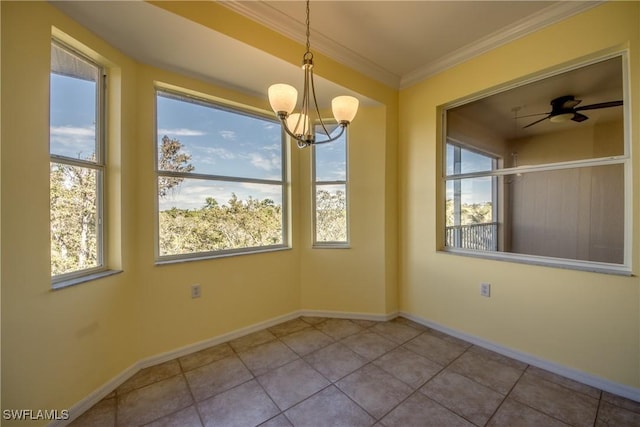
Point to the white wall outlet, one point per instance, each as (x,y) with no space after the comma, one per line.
(196,292)
(485,289)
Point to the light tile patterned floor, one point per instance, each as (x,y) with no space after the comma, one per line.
(339,372)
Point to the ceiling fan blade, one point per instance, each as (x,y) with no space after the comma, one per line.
(536,122)
(532,115)
(577,117)
(600,105)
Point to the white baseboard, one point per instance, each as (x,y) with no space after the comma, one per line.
(576,375)
(79,408)
(349,315)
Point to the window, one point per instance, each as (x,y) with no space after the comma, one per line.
(330,193)
(76,165)
(535,174)
(220,179)
(471,203)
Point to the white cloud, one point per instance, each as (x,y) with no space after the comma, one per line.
(191,194)
(266,163)
(273,147)
(72,141)
(221,153)
(228,135)
(181,132)
(72,131)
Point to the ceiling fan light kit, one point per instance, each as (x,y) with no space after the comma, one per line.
(561,118)
(300,126)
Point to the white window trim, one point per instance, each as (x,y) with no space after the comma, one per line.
(80,276)
(314,183)
(625,268)
(236,109)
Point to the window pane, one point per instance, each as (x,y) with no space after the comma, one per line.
(449,160)
(74,218)
(474,162)
(524,125)
(470,206)
(461,160)
(73,110)
(201,138)
(572,213)
(331,160)
(202,216)
(331,213)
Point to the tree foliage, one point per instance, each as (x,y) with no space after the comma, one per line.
(470,213)
(237,224)
(172,159)
(74,217)
(331,216)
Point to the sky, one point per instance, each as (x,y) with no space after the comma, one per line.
(72,117)
(219,143)
(473,190)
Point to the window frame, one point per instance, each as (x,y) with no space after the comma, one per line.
(458,147)
(100,168)
(624,268)
(185,95)
(316,244)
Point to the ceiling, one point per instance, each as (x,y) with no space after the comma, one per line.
(507,112)
(402,42)
(396,42)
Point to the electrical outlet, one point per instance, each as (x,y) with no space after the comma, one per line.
(485,289)
(196,292)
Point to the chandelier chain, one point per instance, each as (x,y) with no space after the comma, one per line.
(308,22)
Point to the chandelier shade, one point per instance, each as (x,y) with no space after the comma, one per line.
(344,108)
(300,126)
(283,97)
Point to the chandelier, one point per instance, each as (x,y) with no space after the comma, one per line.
(300,126)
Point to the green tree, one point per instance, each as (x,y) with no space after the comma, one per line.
(237,224)
(331,216)
(171,158)
(470,213)
(73,217)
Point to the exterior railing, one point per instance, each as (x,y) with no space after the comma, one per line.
(473,236)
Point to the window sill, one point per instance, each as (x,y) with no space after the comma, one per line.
(331,245)
(83,279)
(207,256)
(589,266)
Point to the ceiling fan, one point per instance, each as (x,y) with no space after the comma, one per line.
(566,108)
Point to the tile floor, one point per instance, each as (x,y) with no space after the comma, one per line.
(337,372)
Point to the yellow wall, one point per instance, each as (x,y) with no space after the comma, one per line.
(585,321)
(60,346)
(329,279)
(53,342)
(588,142)
(362,279)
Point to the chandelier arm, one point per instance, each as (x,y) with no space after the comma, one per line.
(315,102)
(304,142)
(343,126)
(308,76)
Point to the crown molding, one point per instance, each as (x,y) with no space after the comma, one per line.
(278,21)
(282,23)
(547,16)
